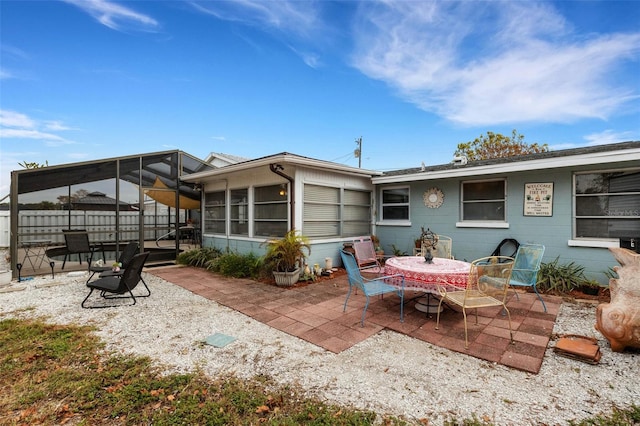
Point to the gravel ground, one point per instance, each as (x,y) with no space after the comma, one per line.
(388,373)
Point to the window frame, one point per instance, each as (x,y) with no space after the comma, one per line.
(342,221)
(594,240)
(488,223)
(383,205)
(219,207)
(240,206)
(257,220)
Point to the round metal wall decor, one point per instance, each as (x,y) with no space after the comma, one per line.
(433,198)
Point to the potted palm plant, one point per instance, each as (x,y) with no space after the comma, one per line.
(287,255)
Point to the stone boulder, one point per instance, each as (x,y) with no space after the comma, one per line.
(619,320)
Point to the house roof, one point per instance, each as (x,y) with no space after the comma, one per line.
(227,158)
(591,155)
(281,158)
(100,201)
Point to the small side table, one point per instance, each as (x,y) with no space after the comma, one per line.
(35,252)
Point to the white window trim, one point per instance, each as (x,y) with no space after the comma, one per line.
(484,223)
(590,241)
(399,222)
(597,243)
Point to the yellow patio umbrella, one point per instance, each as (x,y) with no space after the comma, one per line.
(168,198)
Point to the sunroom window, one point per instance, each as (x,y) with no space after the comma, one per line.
(321,211)
(270,216)
(332,212)
(239,212)
(214,207)
(607,204)
(484,200)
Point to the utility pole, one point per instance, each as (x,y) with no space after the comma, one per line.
(358,151)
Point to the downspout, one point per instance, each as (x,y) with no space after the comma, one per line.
(277,169)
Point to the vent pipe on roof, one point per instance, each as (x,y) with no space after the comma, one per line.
(459,161)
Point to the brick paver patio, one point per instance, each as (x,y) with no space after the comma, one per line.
(314,313)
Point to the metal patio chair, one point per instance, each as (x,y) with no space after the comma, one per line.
(77,242)
(366,256)
(117,287)
(371,287)
(526,267)
(126,255)
(487,286)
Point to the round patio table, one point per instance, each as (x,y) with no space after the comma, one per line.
(425,277)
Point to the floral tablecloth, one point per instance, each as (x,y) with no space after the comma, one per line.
(422,276)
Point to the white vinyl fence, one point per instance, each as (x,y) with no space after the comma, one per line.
(5,228)
(34,225)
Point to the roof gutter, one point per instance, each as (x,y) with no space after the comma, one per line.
(277,169)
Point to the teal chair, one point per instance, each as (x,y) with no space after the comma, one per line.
(371,287)
(526,267)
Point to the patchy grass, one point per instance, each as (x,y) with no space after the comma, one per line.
(51,374)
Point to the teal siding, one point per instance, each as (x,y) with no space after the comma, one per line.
(471,243)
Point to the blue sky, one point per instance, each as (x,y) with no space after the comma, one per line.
(82,80)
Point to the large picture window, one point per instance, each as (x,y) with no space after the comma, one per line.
(332,212)
(270,211)
(395,204)
(607,204)
(214,207)
(239,212)
(484,200)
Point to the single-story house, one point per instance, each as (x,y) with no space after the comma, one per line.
(576,202)
(250,202)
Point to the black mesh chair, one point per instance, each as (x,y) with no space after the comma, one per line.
(77,242)
(117,287)
(126,255)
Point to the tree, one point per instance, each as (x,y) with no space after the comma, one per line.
(27,165)
(495,145)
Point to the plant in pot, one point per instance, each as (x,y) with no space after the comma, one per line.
(286,256)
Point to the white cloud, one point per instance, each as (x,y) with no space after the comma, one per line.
(15,119)
(5,74)
(297,17)
(492,62)
(115,16)
(15,125)
(609,136)
(56,126)
(28,134)
(299,21)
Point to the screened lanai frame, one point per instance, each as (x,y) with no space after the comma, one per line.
(157,173)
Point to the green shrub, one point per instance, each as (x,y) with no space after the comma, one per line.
(235,265)
(554,277)
(198,257)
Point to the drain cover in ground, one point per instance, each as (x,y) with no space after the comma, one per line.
(219,340)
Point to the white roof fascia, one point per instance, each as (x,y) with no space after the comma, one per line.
(517,166)
(280,158)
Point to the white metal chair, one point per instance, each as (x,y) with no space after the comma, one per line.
(487,286)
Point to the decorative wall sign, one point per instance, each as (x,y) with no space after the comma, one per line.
(538,199)
(433,198)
